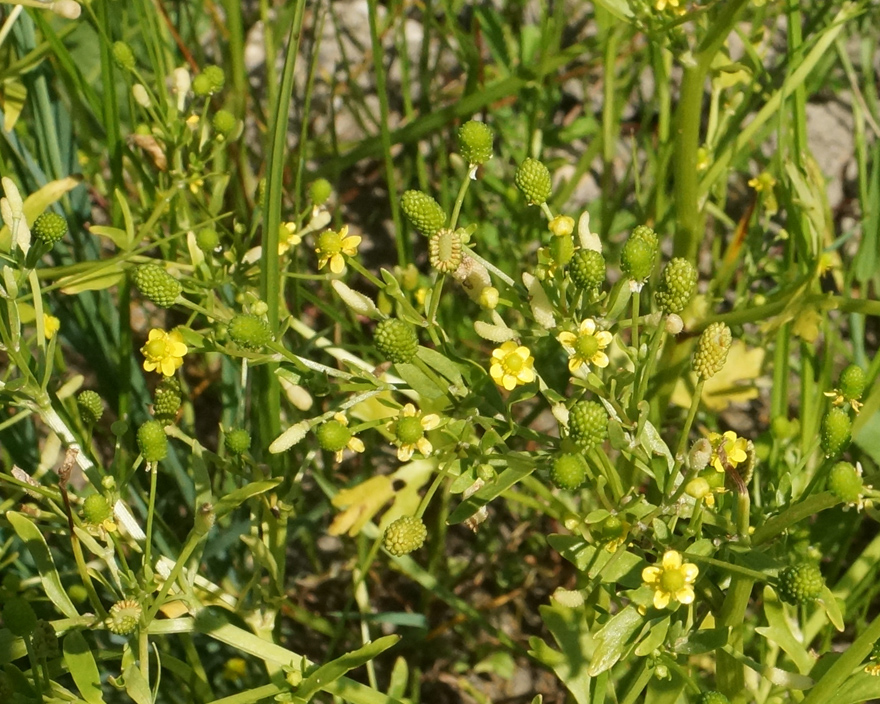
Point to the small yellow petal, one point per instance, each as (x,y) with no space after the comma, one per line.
(355,445)
(690,570)
(509,382)
(685,595)
(405,453)
(409,410)
(604,338)
(651,574)
(496,372)
(671,560)
(567,338)
(526,375)
(337,263)
(574,363)
(661,600)
(588,326)
(430,421)
(425,446)
(600,359)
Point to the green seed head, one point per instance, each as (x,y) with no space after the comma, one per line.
(587,269)
(166,400)
(249,331)
(845,483)
(712,349)
(836,432)
(216,76)
(562,249)
(124,617)
(207,239)
(533,179)
(852,382)
(409,430)
(49,227)
(639,254)
(123,56)
(405,535)
(96,509)
(678,283)
(425,213)
(396,340)
(224,123)
(588,424)
(152,441)
(800,584)
(333,436)
(475,142)
(237,441)
(569,471)
(90,407)
(320,191)
(157,285)
(45,641)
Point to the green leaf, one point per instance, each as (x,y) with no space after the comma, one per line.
(81,664)
(614,638)
(11,647)
(571,632)
(779,632)
(518,468)
(39,551)
(235,498)
(656,635)
(832,608)
(619,8)
(116,235)
(619,566)
(325,675)
(418,381)
(98,279)
(861,687)
(440,363)
(136,686)
(705,641)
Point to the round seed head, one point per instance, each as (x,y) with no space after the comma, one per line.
(475,142)
(396,340)
(157,285)
(90,406)
(836,432)
(533,179)
(49,227)
(801,583)
(678,283)
(588,424)
(152,441)
(249,331)
(569,471)
(712,349)
(238,441)
(845,483)
(425,213)
(405,535)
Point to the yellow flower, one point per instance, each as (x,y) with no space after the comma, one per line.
(512,365)
(352,443)
(586,347)
(662,5)
(288,237)
(562,225)
(164,351)
(672,580)
(409,432)
(764,181)
(332,245)
(51,325)
(727,450)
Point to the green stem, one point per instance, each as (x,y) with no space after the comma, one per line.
(459,199)
(153,468)
(792,515)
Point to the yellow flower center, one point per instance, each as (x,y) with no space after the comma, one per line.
(671,581)
(409,430)
(513,363)
(586,346)
(155,349)
(329,243)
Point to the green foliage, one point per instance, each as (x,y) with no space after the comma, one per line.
(573,399)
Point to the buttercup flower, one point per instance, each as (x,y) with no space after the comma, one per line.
(585,347)
(672,580)
(409,432)
(661,5)
(288,237)
(727,450)
(512,365)
(51,325)
(163,352)
(764,181)
(332,245)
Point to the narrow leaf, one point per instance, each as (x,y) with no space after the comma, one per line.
(81,663)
